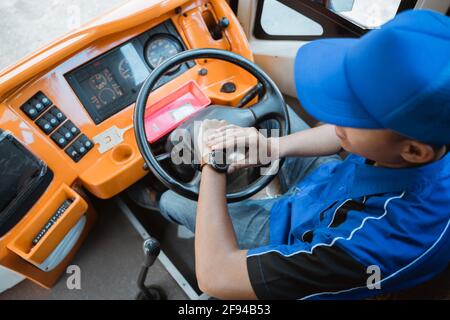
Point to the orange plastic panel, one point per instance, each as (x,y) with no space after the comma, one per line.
(22,244)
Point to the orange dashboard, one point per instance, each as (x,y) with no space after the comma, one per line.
(104,170)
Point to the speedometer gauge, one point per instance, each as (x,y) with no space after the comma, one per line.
(160,48)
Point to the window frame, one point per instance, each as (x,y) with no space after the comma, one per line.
(333,25)
(234,5)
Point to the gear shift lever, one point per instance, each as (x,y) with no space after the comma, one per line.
(151,251)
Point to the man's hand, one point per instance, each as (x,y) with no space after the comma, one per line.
(249,147)
(207,128)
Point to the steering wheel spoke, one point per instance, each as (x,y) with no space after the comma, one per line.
(251,94)
(270,107)
(163,156)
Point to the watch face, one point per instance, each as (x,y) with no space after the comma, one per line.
(219,161)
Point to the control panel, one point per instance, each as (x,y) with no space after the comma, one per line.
(111,82)
(36,105)
(53,122)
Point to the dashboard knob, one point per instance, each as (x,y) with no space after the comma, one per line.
(222,24)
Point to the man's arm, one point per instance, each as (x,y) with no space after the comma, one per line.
(221,267)
(224,271)
(314,142)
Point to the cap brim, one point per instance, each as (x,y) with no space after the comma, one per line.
(323,87)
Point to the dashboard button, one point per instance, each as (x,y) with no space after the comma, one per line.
(44,99)
(79,147)
(228,87)
(72,153)
(72,128)
(58,114)
(51,119)
(45,125)
(88,144)
(30,111)
(59,140)
(66,133)
(38,105)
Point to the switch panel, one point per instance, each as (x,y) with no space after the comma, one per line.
(36,105)
(52,121)
(79,148)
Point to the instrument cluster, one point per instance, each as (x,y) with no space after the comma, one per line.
(112,81)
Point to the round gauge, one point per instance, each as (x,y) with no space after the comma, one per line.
(98,81)
(160,48)
(125,70)
(107,96)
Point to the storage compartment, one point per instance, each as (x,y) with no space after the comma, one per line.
(23,179)
(39,239)
(166,114)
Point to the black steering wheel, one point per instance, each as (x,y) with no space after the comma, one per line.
(270,107)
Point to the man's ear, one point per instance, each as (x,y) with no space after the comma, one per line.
(416,152)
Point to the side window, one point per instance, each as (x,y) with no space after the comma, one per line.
(368,14)
(278,19)
(313,19)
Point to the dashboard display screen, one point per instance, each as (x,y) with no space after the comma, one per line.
(102,88)
(106,85)
(112,81)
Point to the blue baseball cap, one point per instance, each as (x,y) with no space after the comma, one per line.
(396,77)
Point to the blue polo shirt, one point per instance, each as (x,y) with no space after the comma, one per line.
(350,224)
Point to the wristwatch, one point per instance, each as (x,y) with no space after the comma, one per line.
(217,161)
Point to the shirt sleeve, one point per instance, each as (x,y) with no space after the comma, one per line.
(327,269)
